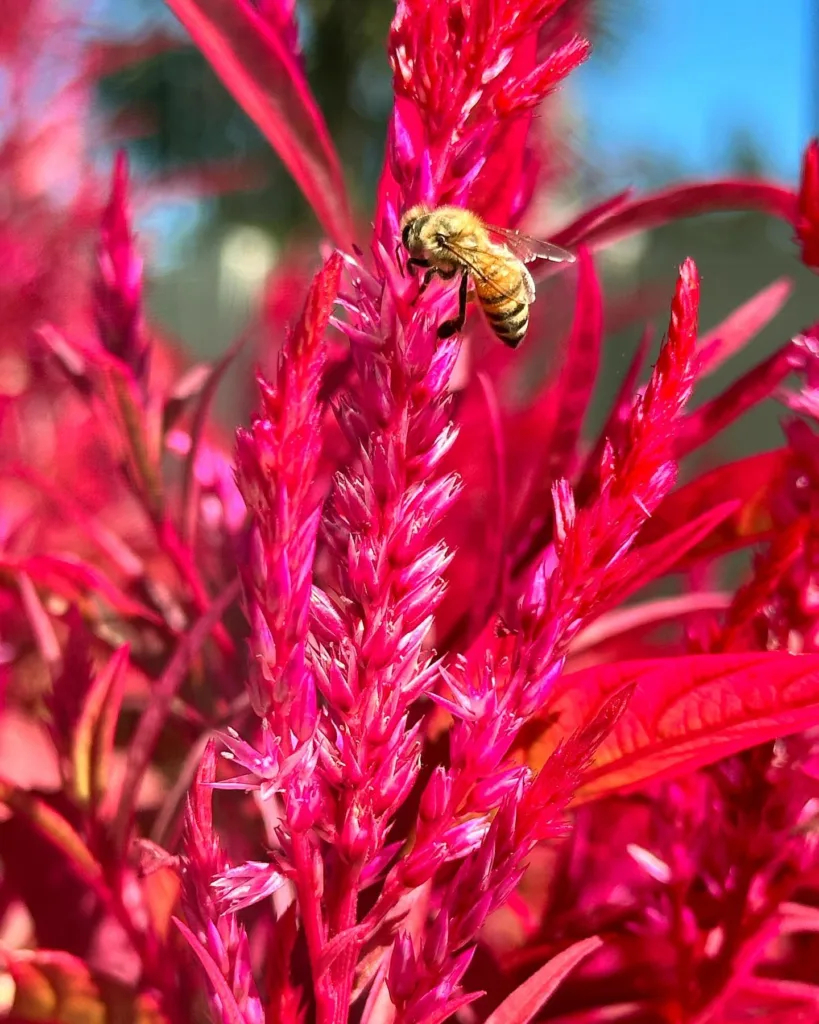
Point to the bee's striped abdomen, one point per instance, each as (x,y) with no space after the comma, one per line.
(508,314)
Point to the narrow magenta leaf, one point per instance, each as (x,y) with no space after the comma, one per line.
(649,562)
(624,219)
(724,341)
(619,623)
(451,1007)
(758,383)
(581,362)
(230,1008)
(686,712)
(494,576)
(189,501)
(527,999)
(261,72)
(153,719)
(749,482)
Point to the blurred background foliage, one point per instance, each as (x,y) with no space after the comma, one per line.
(211,258)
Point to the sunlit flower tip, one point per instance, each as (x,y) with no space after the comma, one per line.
(492,791)
(436,795)
(302,802)
(465,837)
(246,884)
(539,689)
(807,219)
(402,973)
(534,87)
(476,916)
(565,511)
(356,835)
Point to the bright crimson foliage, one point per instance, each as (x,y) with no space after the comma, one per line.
(464,777)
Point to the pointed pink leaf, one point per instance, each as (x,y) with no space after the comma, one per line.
(153,719)
(623,401)
(260,70)
(451,1007)
(189,501)
(649,562)
(40,622)
(231,1014)
(527,999)
(748,482)
(624,219)
(685,712)
(724,341)
(743,394)
(648,614)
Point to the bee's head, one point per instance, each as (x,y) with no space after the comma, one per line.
(411,224)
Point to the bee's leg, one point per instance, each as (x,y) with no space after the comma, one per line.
(450,327)
(428,276)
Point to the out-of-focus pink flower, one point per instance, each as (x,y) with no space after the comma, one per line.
(118,291)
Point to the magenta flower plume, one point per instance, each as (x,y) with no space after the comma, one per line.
(218,941)
(467,74)
(509,742)
(276,466)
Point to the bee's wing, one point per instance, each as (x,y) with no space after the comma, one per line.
(467,256)
(527,248)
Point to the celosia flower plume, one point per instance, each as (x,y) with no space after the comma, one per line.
(396,729)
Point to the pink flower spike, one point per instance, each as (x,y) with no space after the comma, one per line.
(118,289)
(807,220)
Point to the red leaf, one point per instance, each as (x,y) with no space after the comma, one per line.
(624,219)
(54,827)
(70,509)
(580,366)
(649,562)
(709,419)
(639,618)
(684,712)
(748,482)
(261,72)
(527,999)
(724,341)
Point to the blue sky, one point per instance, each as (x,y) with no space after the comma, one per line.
(687,73)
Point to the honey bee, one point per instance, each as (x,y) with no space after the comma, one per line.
(449,240)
